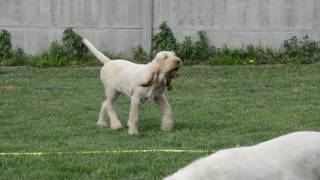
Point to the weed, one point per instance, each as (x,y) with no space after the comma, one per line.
(5,45)
(164,40)
(202,50)
(185,50)
(72,43)
(41,60)
(18,57)
(304,51)
(72,51)
(139,54)
(8,56)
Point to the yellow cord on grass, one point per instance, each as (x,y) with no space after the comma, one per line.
(107,152)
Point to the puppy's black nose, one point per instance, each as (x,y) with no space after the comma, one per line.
(178,62)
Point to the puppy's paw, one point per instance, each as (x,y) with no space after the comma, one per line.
(102,124)
(133,131)
(116,126)
(167,127)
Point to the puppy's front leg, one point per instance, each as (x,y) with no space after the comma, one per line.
(167,122)
(134,115)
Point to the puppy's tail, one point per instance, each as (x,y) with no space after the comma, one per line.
(102,58)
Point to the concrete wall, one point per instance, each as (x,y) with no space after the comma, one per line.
(111,24)
(237,22)
(118,25)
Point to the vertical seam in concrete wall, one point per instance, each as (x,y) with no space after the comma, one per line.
(147,22)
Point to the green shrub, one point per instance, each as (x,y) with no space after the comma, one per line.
(58,62)
(227,56)
(195,53)
(265,55)
(113,55)
(244,55)
(164,40)
(8,56)
(57,50)
(304,51)
(58,55)
(310,48)
(71,50)
(139,54)
(185,50)
(18,58)
(41,60)
(291,47)
(72,43)
(293,50)
(5,45)
(202,50)
(87,59)
(222,59)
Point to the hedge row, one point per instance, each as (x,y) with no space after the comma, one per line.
(70,50)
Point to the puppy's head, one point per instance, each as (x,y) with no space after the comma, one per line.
(167,64)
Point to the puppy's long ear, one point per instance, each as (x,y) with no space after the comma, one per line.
(152,77)
(168,84)
(150,80)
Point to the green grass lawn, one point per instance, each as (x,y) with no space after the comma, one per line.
(56,109)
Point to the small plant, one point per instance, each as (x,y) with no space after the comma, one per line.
(18,58)
(164,40)
(112,55)
(185,50)
(58,55)
(291,46)
(304,51)
(227,56)
(310,50)
(264,55)
(56,50)
(7,55)
(41,60)
(139,54)
(195,53)
(5,45)
(202,49)
(72,43)
(72,51)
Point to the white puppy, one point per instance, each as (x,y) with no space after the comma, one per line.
(295,156)
(138,81)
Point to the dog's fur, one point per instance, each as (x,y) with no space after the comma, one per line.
(295,156)
(138,81)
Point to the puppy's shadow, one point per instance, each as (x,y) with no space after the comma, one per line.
(186,127)
(149,125)
(153,125)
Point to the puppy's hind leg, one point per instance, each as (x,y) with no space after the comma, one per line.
(102,115)
(108,107)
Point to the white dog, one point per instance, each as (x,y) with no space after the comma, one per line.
(295,156)
(138,81)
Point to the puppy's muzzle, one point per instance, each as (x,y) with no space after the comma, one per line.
(174,72)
